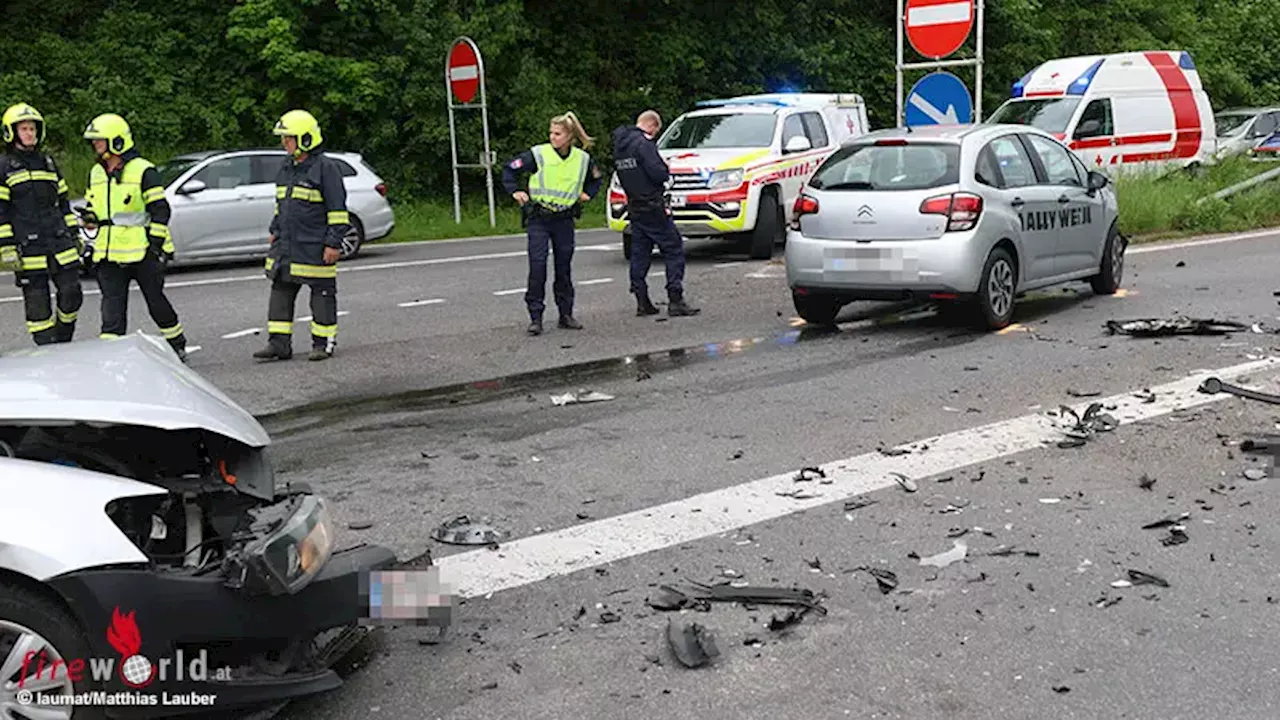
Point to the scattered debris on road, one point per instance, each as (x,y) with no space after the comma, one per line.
(1146,482)
(858,503)
(894,451)
(462,530)
(957,553)
(1158,327)
(691,643)
(669,598)
(1167,521)
(360,524)
(1079,429)
(1137,577)
(905,482)
(798,494)
(809,474)
(1213,386)
(582,396)
(1083,393)
(1254,474)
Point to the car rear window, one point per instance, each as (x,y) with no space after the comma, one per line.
(345,168)
(914,166)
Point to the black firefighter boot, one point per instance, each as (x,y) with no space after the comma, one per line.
(279,347)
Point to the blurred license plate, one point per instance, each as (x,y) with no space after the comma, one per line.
(858,259)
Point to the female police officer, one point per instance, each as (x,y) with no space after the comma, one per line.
(36,218)
(562,177)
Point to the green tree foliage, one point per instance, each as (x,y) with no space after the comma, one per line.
(197,74)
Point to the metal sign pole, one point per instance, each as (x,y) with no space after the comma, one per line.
(488,156)
(898,119)
(453,147)
(977,94)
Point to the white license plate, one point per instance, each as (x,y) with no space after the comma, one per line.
(677,201)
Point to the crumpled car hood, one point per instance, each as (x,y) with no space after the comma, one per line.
(133,380)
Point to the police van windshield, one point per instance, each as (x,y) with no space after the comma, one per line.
(1048,114)
(720,131)
(915,166)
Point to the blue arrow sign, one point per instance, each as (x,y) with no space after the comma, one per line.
(939,98)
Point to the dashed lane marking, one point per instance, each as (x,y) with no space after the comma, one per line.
(417,303)
(533,559)
(242,333)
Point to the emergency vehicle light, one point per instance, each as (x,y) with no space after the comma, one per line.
(743,101)
(1185,62)
(1081,84)
(1020,87)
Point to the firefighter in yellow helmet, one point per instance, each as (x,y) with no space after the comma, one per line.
(39,235)
(126,201)
(306,239)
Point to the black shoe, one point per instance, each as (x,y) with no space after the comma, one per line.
(535,327)
(645,307)
(568,323)
(680,308)
(271,352)
(319,354)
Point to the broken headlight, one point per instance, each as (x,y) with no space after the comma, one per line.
(291,551)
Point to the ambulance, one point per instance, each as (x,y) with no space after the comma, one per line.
(1128,112)
(737,164)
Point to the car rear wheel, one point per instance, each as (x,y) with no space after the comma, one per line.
(353,240)
(998,289)
(820,310)
(769,226)
(1111,271)
(31,623)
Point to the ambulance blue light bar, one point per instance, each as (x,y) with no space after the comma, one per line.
(1020,87)
(745,101)
(1081,84)
(1185,61)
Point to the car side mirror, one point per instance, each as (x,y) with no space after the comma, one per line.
(799,143)
(1088,128)
(191,187)
(1097,181)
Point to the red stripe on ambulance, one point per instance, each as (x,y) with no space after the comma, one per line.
(1186,116)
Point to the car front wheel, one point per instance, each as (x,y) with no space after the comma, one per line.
(1111,271)
(353,240)
(34,626)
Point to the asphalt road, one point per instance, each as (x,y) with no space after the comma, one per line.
(676,479)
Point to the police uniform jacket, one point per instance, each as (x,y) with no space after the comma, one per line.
(641,170)
(35,214)
(311,212)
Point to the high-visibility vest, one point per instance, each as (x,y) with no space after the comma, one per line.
(558,181)
(125,239)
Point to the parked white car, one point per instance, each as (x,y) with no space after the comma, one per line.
(223,201)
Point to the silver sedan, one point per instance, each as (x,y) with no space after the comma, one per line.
(973,215)
(222,203)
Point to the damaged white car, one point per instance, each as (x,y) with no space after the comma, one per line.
(146,549)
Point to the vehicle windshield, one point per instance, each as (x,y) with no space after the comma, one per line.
(917,166)
(720,131)
(1048,114)
(171,170)
(1231,124)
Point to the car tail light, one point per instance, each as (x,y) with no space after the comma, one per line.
(805,205)
(962,210)
(381,188)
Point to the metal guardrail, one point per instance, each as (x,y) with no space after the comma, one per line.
(1241,186)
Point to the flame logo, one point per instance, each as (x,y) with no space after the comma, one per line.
(136,671)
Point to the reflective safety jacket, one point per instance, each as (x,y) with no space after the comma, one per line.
(311,215)
(35,214)
(132,200)
(556,181)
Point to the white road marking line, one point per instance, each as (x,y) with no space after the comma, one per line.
(508,292)
(241,333)
(341,313)
(194,349)
(765,274)
(533,559)
(658,273)
(597,281)
(416,303)
(727,264)
(1137,250)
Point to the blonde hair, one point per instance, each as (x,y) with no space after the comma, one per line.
(570,122)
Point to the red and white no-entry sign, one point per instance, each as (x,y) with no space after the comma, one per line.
(937,28)
(464,70)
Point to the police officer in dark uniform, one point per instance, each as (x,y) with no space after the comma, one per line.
(38,229)
(562,177)
(306,239)
(644,175)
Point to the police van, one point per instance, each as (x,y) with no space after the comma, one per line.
(738,164)
(1135,111)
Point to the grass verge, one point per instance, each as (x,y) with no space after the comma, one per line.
(1158,208)
(434,219)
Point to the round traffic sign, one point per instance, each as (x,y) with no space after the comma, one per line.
(937,28)
(464,70)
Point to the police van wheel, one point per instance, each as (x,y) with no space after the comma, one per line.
(1111,271)
(33,621)
(626,245)
(353,240)
(998,290)
(768,230)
